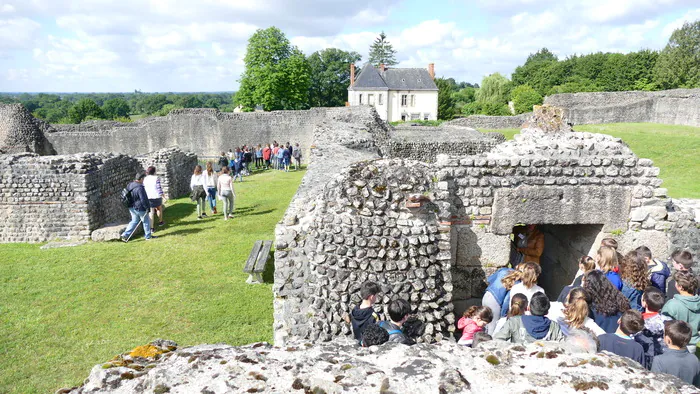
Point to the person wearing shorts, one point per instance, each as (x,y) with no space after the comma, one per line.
(156,198)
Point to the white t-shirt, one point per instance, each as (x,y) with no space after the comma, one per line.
(520,288)
(197,180)
(556,313)
(153,188)
(209,180)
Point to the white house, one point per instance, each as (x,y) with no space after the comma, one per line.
(396,93)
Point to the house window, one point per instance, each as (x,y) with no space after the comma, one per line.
(381,101)
(415,116)
(360,98)
(370,99)
(404,100)
(413,100)
(426,116)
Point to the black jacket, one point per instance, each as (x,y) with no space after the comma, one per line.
(361,318)
(138,196)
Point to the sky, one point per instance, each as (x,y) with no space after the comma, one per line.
(199,45)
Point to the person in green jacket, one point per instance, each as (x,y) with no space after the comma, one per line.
(685,305)
(535,327)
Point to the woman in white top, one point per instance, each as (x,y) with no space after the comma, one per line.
(210,178)
(199,192)
(528,281)
(574,314)
(156,198)
(224,186)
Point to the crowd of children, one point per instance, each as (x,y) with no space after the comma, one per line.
(275,155)
(628,304)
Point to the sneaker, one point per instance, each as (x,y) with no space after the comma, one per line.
(151,237)
(161,223)
(230,216)
(199,218)
(214,212)
(123,238)
(204,214)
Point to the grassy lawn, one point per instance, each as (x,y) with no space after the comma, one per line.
(65,310)
(674,149)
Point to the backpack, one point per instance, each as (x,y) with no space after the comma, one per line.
(126,198)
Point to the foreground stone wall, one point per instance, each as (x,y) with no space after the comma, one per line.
(206,132)
(679,106)
(61,197)
(174,167)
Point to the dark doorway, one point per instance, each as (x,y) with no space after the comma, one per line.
(563,246)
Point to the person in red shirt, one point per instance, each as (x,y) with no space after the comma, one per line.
(266,155)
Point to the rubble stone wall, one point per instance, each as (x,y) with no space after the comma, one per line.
(425,143)
(21,132)
(61,197)
(490,122)
(174,167)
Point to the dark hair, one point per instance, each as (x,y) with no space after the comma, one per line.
(686,281)
(225,169)
(654,299)
(539,304)
(482,312)
(644,252)
(587,262)
(374,335)
(518,305)
(198,170)
(679,332)
(606,299)
(631,322)
(413,327)
(398,309)
(369,289)
(479,337)
(151,170)
(684,258)
(139,176)
(609,242)
(633,270)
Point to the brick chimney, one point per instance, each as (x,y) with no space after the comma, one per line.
(352,74)
(431,70)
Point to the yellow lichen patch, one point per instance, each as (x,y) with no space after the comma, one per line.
(146,351)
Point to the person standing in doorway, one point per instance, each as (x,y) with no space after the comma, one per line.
(535,245)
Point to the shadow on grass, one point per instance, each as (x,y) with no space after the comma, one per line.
(184,231)
(176,212)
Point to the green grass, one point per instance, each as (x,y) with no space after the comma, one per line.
(674,149)
(65,310)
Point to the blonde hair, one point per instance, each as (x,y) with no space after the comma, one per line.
(607,258)
(526,272)
(576,312)
(198,170)
(210,170)
(587,262)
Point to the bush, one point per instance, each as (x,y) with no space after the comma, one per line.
(524,98)
(486,108)
(166,109)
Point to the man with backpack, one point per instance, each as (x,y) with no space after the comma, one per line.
(136,199)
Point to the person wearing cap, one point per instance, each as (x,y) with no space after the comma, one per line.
(139,209)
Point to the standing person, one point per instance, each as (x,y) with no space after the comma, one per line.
(535,245)
(210,186)
(156,198)
(258,157)
(585,264)
(633,272)
(247,159)
(658,270)
(676,360)
(496,293)
(138,209)
(224,186)
(607,261)
(607,302)
(621,342)
(297,156)
(682,261)
(287,157)
(363,315)
(223,161)
(686,304)
(267,152)
(528,281)
(275,150)
(237,169)
(398,313)
(280,158)
(574,313)
(199,192)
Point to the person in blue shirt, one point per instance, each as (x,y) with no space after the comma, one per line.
(607,303)
(621,342)
(658,270)
(607,261)
(633,272)
(497,294)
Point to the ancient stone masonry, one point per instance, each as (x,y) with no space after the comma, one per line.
(425,143)
(490,122)
(174,167)
(21,132)
(679,106)
(48,197)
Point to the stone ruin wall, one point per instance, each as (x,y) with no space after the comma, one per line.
(174,167)
(206,132)
(678,106)
(21,132)
(490,122)
(51,197)
(425,143)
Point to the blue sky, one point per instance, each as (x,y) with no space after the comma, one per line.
(185,45)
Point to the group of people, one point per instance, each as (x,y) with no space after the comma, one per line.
(627,304)
(207,184)
(275,155)
(146,203)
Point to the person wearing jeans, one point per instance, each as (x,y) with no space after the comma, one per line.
(226,194)
(139,209)
(210,178)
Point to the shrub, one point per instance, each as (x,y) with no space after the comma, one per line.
(524,98)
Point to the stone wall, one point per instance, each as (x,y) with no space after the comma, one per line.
(21,132)
(206,132)
(490,122)
(174,167)
(679,106)
(425,143)
(61,197)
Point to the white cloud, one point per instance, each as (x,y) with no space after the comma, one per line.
(17,33)
(689,16)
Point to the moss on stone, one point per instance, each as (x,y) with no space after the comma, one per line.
(493,360)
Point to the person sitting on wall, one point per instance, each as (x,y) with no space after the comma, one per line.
(534,245)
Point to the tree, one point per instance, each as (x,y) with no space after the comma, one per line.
(494,88)
(537,71)
(382,52)
(83,109)
(212,103)
(524,98)
(330,76)
(277,75)
(153,103)
(446,104)
(190,101)
(115,108)
(678,65)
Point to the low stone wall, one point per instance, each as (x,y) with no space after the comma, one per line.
(425,143)
(490,122)
(61,197)
(174,167)
(679,106)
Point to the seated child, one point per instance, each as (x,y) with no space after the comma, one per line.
(480,337)
(373,335)
(652,301)
(685,305)
(658,270)
(474,320)
(398,313)
(621,342)
(528,329)
(676,360)
(518,307)
(363,314)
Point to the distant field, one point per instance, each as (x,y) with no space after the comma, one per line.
(674,149)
